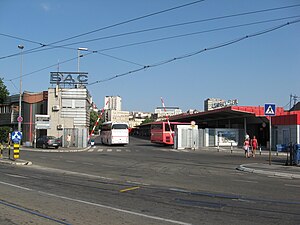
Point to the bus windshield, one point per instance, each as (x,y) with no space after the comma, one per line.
(119,126)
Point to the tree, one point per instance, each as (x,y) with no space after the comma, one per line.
(93,120)
(3,91)
(4,131)
(148,120)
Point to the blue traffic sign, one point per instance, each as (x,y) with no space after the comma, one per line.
(16,136)
(270,109)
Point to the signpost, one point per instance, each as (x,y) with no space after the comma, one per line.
(16,138)
(270,110)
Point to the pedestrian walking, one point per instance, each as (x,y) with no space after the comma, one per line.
(254,145)
(247,147)
(68,140)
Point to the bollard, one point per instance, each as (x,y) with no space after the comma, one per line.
(260,149)
(218,147)
(231,148)
(16,151)
(8,150)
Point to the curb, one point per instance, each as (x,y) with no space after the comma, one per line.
(16,163)
(266,172)
(240,151)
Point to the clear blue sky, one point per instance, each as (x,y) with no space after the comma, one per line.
(257,70)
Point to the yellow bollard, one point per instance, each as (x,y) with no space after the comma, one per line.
(16,151)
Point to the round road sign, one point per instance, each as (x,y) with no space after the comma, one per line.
(20,119)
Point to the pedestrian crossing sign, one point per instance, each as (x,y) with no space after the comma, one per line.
(270,109)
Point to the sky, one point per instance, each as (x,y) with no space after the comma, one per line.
(183,51)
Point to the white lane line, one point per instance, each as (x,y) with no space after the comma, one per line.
(100,150)
(292,185)
(109,150)
(100,205)
(16,186)
(17,176)
(246,181)
(119,150)
(127,150)
(70,161)
(55,159)
(138,183)
(90,150)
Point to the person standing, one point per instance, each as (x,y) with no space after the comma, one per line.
(246,147)
(68,140)
(254,145)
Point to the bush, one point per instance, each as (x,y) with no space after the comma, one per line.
(4,131)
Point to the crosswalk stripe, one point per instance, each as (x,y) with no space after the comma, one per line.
(100,150)
(118,150)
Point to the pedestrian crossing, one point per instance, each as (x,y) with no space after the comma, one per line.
(101,150)
(126,150)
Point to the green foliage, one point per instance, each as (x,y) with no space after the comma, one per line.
(148,120)
(4,131)
(93,120)
(3,91)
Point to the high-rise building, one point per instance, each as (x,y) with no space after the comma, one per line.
(113,103)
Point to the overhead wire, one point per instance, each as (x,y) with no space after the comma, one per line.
(155,40)
(221,45)
(196,33)
(107,27)
(51,46)
(182,24)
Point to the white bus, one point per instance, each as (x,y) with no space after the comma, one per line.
(114,133)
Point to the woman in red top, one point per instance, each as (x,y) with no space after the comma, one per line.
(254,145)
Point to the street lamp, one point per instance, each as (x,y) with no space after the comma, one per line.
(20,97)
(78,57)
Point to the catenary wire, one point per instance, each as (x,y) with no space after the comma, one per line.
(50,46)
(196,33)
(199,51)
(106,27)
(154,40)
(180,24)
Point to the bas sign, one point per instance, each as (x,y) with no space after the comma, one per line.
(68,78)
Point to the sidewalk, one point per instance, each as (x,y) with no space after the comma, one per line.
(60,149)
(21,162)
(18,162)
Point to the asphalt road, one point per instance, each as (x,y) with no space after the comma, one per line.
(142,183)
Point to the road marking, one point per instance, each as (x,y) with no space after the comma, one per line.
(70,161)
(127,150)
(119,150)
(17,176)
(100,150)
(292,185)
(138,183)
(246,181)
(129,189)
(90,150)
(90,164)
(16,186)
(100,205)
(109,150)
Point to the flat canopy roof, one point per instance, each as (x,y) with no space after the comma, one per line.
(227,115)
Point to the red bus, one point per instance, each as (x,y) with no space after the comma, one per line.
(160,132)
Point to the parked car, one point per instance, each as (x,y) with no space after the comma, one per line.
(48,142)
